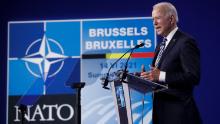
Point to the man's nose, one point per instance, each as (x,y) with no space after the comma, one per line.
(155,22)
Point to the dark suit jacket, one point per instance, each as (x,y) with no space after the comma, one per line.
(181,62)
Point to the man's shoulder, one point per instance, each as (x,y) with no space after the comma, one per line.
(184,35)
(184,38)
(186,41)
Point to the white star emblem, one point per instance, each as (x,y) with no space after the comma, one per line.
(44,58)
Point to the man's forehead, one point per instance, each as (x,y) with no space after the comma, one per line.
(158,11)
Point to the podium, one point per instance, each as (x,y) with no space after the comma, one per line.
(122,97)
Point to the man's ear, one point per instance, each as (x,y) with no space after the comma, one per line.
(172,19)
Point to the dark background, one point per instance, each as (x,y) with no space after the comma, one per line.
(198,18)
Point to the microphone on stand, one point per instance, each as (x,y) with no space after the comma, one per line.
(126,64)
(106,81)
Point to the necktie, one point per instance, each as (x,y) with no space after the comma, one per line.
(162,48)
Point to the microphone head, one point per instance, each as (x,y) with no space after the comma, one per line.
(140,45)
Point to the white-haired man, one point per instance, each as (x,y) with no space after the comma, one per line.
(176,64)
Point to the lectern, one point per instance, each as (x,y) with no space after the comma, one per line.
(122,98)
(78,86)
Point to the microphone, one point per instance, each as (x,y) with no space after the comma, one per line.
(106,81)
(126,64)
(138,46)
(124,74)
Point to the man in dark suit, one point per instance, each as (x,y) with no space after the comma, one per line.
(177,65)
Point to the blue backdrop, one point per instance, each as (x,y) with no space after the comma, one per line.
(198,18)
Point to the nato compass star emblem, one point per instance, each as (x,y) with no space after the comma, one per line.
(44,57)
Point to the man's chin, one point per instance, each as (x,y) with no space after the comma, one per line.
(159,33)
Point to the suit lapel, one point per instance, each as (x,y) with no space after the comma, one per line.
(170,46)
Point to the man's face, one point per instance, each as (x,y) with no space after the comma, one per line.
(162,22)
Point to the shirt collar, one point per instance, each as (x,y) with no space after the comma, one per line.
(170,35)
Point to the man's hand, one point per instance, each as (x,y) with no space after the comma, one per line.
(152,75)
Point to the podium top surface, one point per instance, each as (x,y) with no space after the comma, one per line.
(143,85)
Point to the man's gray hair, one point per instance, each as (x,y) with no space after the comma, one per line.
(169,8)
